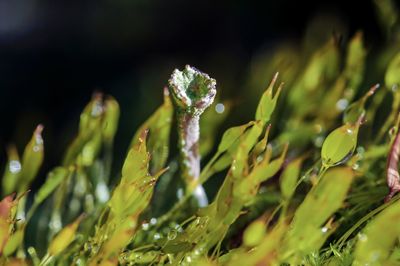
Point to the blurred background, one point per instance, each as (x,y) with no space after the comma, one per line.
(54,55)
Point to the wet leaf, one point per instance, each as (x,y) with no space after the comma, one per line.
(377,240)
(90,124)
(120,238)
(268,101)
(247,187)
(289,178)
(230,136)
(392,77)
(339,145)
(12,171)
(32,159)
(90,150)
(356,111)
(159,126)
(239,164)
(6,219)
(53,180)
(308,232)
(254,233)
(110,120)
(64,238)
(355,62)
(226,151)
(14,242)
(133,193)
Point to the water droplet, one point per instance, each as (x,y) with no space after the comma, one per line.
(157,236)
(55,225)
(197,251)
(342,104)
(318,141)
(360,149)
(179,193)
(178,228)
(324,229)
(14,166)
(97,110)
(318,128)
(219,108)
(375,256)
(355,166)
(362,237)
(87,247)
(145,226)
(102,192)
(153,221)
(172,234)
(38,139)
(189,259)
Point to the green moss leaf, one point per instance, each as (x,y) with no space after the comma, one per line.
(268,101)
(159,126)
(339,145)
(377,240)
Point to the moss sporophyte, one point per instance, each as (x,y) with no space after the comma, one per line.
(192,92)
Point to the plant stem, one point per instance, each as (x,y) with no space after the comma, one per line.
(189,134)
(192,92)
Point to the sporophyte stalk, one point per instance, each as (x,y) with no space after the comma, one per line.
(192,92)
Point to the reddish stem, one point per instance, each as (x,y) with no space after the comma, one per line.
(392,173)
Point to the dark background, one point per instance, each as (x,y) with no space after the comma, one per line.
(54,54)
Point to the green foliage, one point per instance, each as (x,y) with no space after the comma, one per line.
(304,181)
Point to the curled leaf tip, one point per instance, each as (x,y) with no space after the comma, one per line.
(275,77)
(166,91)
(143,135)
(373,89)
(192,90)
(97,95)
(39,129)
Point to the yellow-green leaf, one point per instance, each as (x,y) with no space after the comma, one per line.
(289,178)
(254,233)
(12,171)
(268,101)
(64,238)
(339,145)
(110,120)
(308,232)
(32,159)
(159,126)
(14,242)
(377,240)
